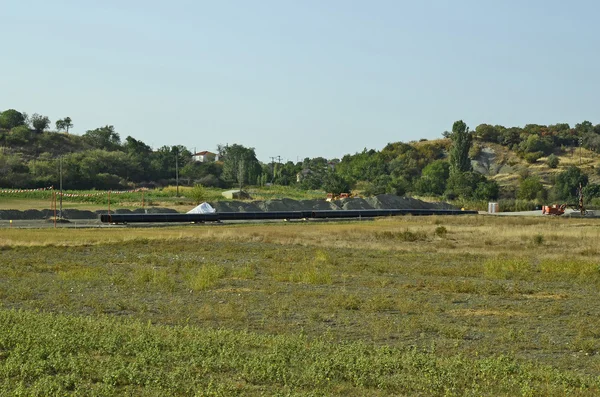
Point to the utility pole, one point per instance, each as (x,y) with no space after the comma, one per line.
(61,191)
(177,170)
(272,169)
(580,143)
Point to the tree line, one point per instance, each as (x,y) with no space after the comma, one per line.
(100,159)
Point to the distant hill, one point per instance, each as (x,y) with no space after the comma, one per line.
(506,167)
(503,160)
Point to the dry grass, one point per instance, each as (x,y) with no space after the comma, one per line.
(497,236)
(484,288)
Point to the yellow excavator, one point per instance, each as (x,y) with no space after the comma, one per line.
(332,197)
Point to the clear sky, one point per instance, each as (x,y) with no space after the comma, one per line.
(301,78)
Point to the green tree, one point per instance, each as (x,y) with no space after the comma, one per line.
(11,118)
(39,122)
(534,144)
(335,184)
(487,133)
(486,190)
(364,166)
(64,124)
(552,161)
(459,151)
(567,183)
(591,191)
(241,173)
(240,165)
(531,188)
(463,184)
(105,138)
(19,135)
(433,178)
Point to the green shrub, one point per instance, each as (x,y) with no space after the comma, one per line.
(19,135)
(532,158)
(197,194)
(530,188)
(206,277)
(552,161)
(441,231)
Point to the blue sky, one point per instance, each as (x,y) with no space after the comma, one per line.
(301,78)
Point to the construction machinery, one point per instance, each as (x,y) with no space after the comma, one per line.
(331,196)
(557,209)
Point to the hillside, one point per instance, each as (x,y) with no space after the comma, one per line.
(503,165)
(536,163)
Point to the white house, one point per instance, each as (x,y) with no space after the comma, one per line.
(205,157)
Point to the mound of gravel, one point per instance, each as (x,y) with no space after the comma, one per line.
(34,214)
(280,205)
(319,205)
(384,201)
(78,214)
(11,214)
(355,203)
(160,210)
(44,214)
(390,201)
(235,206)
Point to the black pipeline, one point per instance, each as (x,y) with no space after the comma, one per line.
(248,216)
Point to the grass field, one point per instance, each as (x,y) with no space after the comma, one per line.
(164,197)
(447,306)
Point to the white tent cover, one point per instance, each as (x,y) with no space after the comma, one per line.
(203,208)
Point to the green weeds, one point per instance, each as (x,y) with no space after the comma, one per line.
(65,355)
(327,309)
(406,235)
(206,277)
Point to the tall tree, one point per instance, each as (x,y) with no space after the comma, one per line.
(64,124)
(39,122)
(103,138)
(568,181)
(235,154)
(459,151)
(11,118)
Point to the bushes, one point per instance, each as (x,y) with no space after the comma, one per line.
(531,188)
(472,185)
(567,183)
(532,158)
(19,135)
(197,194)
(552,161)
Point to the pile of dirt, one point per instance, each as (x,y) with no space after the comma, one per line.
(319,205)
(355,203)
(390,201)
(384,201)
(235,206)
(74,214)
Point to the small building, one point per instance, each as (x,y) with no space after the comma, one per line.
(235,194)
(205,157)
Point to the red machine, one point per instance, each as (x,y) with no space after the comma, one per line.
(554,209)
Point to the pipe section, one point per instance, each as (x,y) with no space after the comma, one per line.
(245,216)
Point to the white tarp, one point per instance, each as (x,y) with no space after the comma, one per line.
(203,208)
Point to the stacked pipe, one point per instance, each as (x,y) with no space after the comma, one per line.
(259,215)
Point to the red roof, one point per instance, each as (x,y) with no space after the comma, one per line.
(204,153)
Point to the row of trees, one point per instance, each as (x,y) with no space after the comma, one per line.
(100,159)
(12,119)
(534,140)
